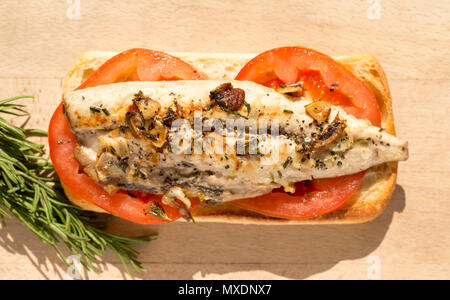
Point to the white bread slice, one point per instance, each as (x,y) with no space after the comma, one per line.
(366,204)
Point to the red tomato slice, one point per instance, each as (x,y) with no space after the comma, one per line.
(134,64)
(320,73)
(326,79)
(141,65)
(311,198)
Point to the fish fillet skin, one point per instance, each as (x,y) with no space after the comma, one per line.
(117,158)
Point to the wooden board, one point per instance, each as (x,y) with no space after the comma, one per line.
(40,39)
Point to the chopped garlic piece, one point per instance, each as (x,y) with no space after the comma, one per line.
(176,193)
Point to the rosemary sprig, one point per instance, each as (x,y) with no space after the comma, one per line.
(30,191)
(157,210)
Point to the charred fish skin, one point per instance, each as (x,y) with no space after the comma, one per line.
(129,137)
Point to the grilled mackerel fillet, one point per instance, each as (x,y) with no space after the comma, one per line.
(143,136)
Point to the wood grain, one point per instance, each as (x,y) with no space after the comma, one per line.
(411,239)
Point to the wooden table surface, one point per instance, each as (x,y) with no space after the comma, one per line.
(40,39)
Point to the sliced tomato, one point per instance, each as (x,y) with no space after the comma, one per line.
(141,65)
(323,78)
(311,198)
(134,64)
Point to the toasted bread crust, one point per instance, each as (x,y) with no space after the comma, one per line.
(366,204)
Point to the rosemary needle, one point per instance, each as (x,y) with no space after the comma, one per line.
(30,190)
